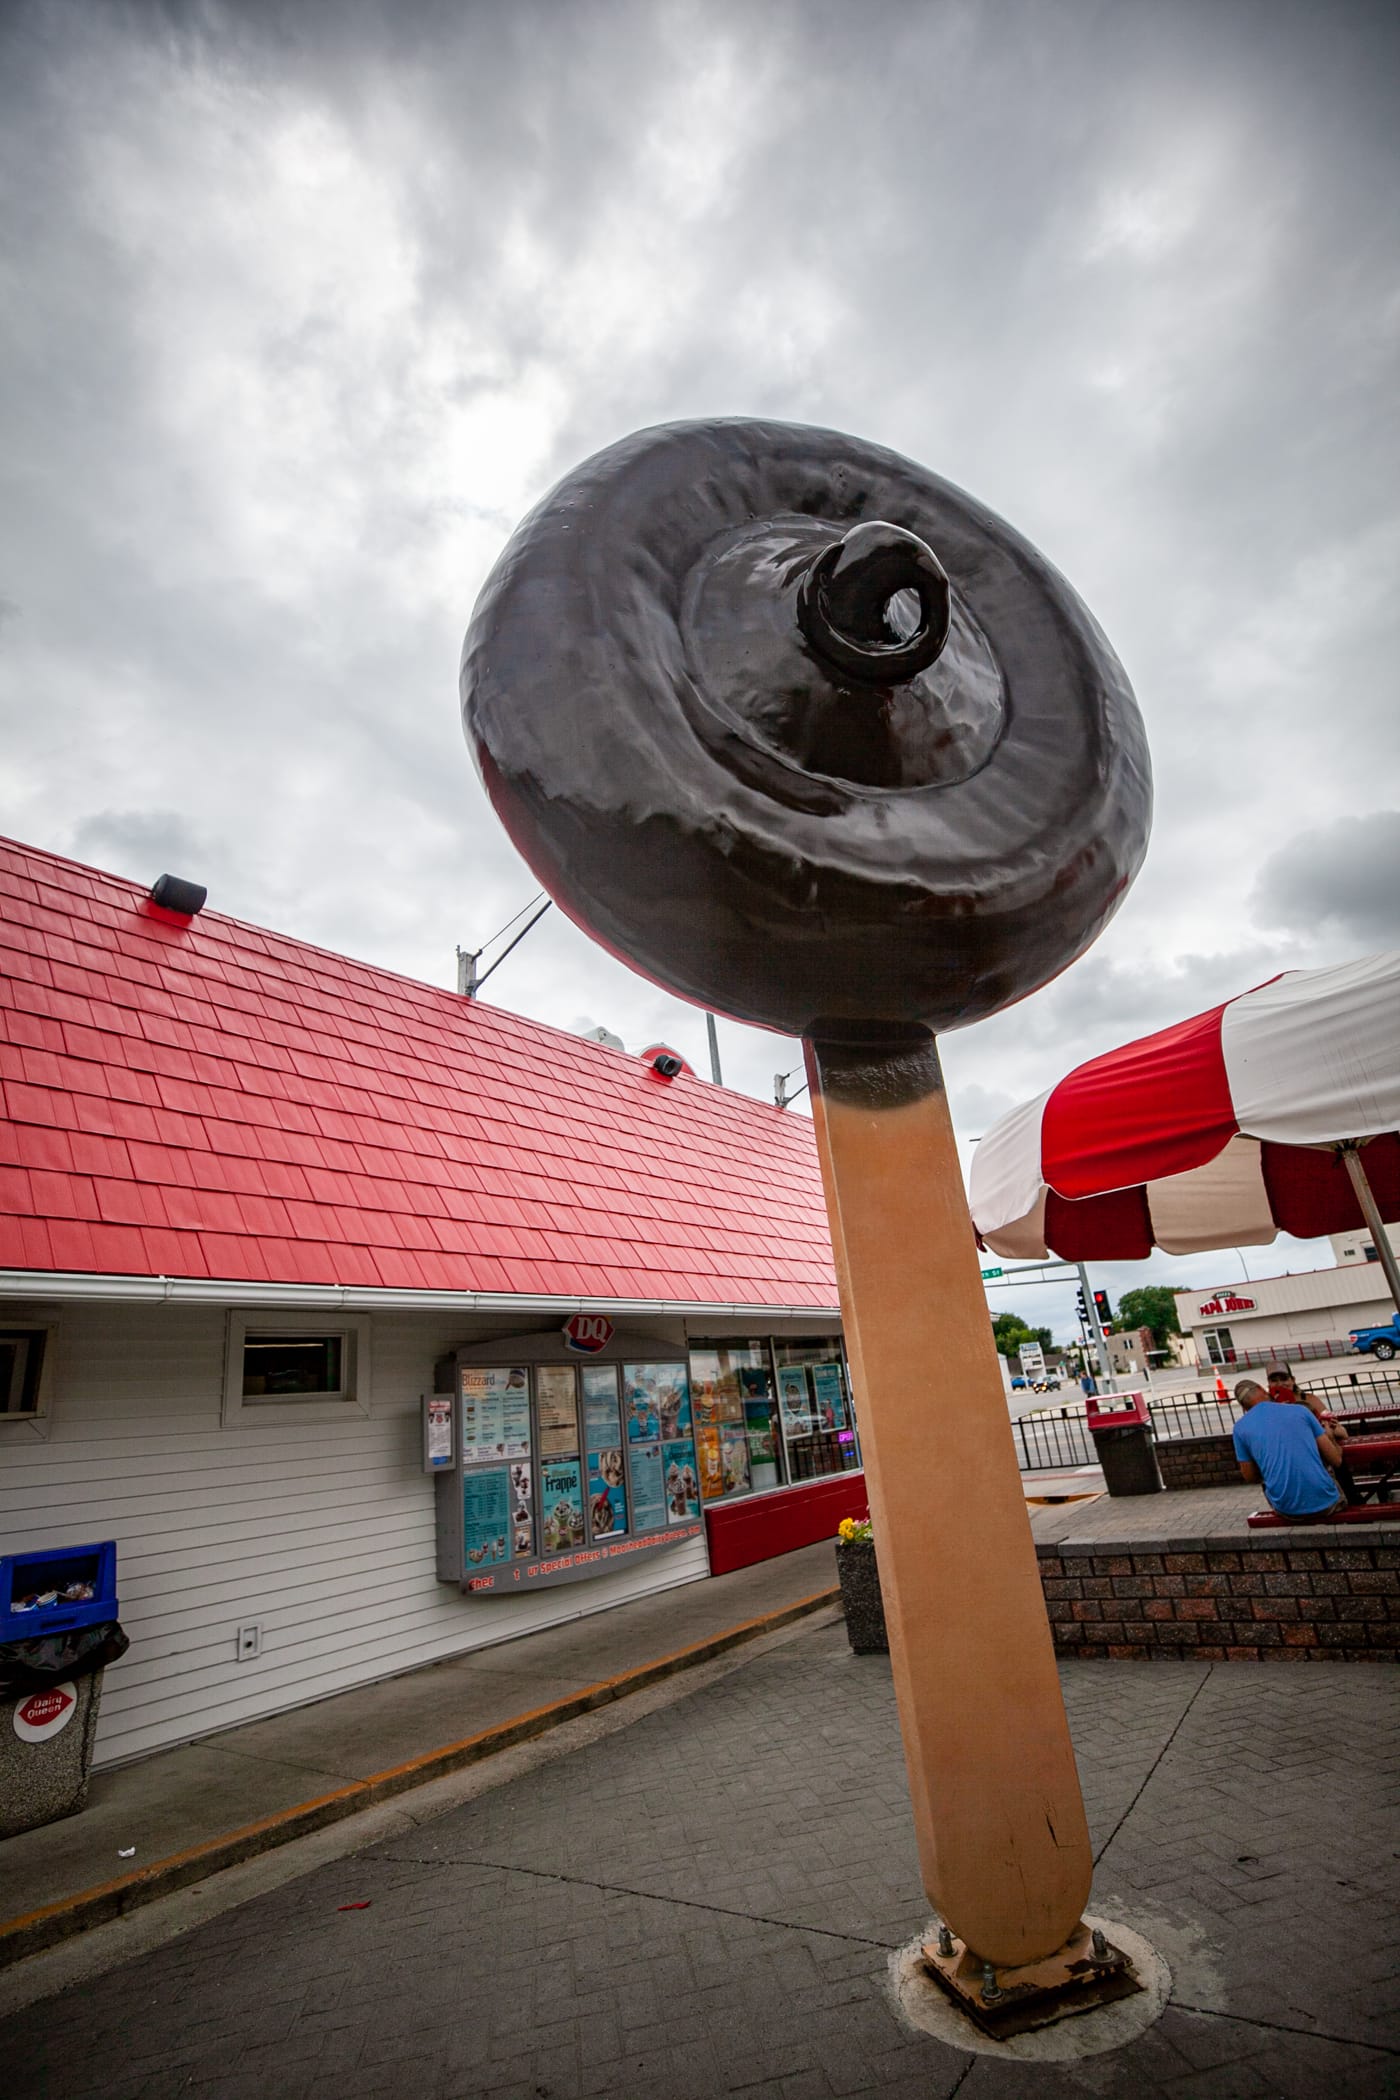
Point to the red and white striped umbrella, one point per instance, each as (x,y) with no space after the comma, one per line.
(1219,1132)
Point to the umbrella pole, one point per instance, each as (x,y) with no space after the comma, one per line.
(1370,1211)
(1002,1837)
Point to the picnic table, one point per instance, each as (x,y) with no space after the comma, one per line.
(1373,1462)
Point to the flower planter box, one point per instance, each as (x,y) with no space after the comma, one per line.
(860,1598)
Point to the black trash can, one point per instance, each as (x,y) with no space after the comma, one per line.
(58,1631)
(1123,1443)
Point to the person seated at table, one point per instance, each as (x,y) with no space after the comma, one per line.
(1287,1449)
(1284,1386)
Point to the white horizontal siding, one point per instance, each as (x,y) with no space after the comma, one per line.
(322,1533)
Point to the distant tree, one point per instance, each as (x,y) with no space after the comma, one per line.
(1151,1305)
(1010,1332)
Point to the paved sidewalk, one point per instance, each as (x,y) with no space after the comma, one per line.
(191,1810)
(705,1903)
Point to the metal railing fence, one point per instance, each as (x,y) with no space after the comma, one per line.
(1293,1352)
(1056,1439)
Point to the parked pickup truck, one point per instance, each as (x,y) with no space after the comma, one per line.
(1383,1342)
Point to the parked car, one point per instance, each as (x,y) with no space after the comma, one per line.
(1383,1342)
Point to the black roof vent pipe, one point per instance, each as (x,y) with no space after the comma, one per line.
(173,894)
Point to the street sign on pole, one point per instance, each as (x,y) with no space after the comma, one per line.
(988,1274)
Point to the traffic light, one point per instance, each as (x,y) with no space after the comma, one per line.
(1081,1308)
(1103,1309)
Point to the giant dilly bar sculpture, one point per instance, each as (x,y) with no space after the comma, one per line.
(812,738)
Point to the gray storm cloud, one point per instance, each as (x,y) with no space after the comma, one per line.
(305,305)
(1344,876)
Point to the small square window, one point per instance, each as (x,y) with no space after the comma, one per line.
(281,1366)
(284,1368)
(23,1360)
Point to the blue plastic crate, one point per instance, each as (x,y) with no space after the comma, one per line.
(77,1586)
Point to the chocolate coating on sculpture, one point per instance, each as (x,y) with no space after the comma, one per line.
(801,782)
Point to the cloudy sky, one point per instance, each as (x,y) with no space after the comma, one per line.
(305,304)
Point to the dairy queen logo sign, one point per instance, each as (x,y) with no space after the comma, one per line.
(38,1715)
(587,1333)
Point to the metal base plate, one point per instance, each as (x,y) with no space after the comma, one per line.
(1012,2001)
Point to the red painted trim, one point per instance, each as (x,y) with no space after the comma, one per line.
(759,1527)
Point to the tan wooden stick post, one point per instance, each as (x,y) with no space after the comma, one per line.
(1002,1837)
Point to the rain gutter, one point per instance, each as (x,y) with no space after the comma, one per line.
(193,1290)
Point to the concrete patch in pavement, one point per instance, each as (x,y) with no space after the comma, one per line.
(926,2007)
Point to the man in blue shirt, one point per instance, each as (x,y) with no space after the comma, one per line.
(1284,1447)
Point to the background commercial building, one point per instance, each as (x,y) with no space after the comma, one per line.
(1303,1317)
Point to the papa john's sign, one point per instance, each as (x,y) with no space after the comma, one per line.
(1224,1302)
(587,1333)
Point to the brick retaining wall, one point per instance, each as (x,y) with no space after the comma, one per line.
(1198,1462)
(1226,1601)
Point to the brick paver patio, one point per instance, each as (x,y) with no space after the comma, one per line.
(705,1903)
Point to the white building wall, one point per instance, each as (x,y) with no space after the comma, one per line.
(1321,1305)
(324,1534)
(1360,1246)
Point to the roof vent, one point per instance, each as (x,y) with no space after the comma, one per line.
(172,894)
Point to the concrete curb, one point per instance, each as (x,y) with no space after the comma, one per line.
(38,1929)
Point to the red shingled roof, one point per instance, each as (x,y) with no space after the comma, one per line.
(200,1098)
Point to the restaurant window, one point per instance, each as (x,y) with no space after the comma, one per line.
(814,1407)
(296,1370)
(737,1438)
(278,1366)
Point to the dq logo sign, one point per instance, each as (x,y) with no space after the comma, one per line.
(587,1333)
(42,1714)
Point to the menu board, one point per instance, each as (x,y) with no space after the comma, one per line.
(643,1421)
(561,1506)
(831,1401)
(515,1416)
(600,1417)
(648,1487)
(557,1409)
(485,1516)
(681,1480)
(522,1512)
(607,1493)
(662,1392)
(495,1404)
